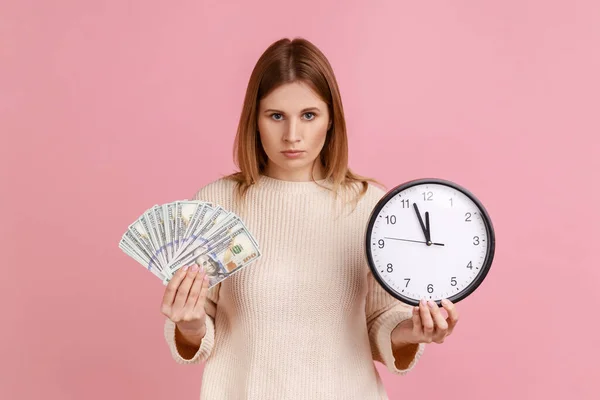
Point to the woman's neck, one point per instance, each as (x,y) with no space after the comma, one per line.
(296,175)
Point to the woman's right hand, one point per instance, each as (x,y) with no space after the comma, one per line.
(183,302)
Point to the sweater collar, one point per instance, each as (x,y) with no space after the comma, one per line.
(279,185)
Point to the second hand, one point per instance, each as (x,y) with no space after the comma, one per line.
(414,241)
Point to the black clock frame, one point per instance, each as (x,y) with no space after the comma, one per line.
(491,243)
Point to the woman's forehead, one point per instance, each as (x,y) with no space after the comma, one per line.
(292,97)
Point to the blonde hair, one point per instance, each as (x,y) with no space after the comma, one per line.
(287,61)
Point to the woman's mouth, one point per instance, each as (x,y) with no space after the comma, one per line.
(292,153)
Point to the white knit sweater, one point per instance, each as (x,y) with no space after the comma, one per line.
(307,320)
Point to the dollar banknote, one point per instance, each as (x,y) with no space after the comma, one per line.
(139,234)
(131,249)
(196,220)
(167,237)
(209,233)
(186,210)
(169,221)
(150,226)
(221,259)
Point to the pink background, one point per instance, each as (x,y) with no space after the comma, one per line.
(109,107)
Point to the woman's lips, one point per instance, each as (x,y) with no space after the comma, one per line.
(292,153)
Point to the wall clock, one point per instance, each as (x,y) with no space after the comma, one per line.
(430,239)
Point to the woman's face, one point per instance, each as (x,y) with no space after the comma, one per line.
(293,117)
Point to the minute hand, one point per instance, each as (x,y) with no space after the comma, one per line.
(425,229)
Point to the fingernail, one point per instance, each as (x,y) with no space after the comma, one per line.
(432,304)
(423,302)
(194,268)
(185,268)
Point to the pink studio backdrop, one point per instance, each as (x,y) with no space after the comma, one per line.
(109,107)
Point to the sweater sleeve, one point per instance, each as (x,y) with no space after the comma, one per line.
(207,344)
(384,312)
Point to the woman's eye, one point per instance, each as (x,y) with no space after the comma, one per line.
(309,115)
(275,116)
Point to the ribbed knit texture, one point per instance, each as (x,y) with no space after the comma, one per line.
(307,320)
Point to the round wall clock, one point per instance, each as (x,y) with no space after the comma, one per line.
(429,239)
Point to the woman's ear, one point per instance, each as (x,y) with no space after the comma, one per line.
(330,123)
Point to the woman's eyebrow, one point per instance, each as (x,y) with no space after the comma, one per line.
(303,111)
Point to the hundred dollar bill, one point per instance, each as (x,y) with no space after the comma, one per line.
(160,230)
(215,220)
(226,260)
(148,261)
(169,219)
(251,236)
(178,211)
(196,221)
(185,212)
(211,219)
(138,232)
(197,240)
(223,258)
(167,237)
(149,221)
(134,252)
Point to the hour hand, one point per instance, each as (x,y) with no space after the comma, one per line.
(423,227)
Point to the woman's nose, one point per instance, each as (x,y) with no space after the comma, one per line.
(292,131)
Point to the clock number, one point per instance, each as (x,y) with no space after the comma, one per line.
(391,219)
(451,203)
(470,265)
(468,217)
(381,243)
(453,281)
(430,288)
(390,268)
(405,203)
(407,281)
(476,240)
(427,196)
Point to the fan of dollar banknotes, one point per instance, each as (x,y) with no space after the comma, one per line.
(170,236)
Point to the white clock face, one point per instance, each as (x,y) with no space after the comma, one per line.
(439,255)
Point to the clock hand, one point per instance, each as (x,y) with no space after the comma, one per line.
(427,227)
(414,241)
(425,231)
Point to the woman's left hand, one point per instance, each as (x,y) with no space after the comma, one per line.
(427,324)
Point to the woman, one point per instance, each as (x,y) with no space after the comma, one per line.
(307,319)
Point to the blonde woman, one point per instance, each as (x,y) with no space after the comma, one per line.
(307,320)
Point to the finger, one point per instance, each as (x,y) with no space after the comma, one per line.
(436,313)
(441,326)
(417,327)
(199,306)
(171,289)
(427,320)
(194,292)
(452,311)
(184,288)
